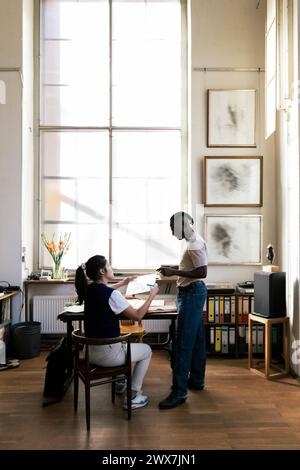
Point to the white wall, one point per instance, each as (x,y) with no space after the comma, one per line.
(10,33)
(11,142)
(229,34)
(15,141)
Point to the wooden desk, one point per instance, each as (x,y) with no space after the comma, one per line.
(268,322)
(67,287)
(169,312)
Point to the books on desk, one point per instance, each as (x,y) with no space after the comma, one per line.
(156,304)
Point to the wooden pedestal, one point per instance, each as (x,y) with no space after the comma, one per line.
(268,322)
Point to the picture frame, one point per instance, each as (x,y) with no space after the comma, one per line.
(233,181)
(231,118)
(234,239)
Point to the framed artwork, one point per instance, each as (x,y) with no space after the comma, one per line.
(234,239)
(233,181)
(231,118)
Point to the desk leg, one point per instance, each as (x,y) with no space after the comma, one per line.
(250,356)
(69,346)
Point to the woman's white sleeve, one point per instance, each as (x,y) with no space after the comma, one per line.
(117,302)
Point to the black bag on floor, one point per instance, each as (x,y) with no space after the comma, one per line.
(56,373)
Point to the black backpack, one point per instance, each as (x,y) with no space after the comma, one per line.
(56,378)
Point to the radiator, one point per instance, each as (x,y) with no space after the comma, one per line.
(47,307)
(156,326)
(45,310)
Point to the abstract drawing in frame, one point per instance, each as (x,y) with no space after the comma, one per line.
(234,239)
(233,181)
(231,118)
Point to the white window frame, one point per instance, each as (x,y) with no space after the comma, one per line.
(38,247)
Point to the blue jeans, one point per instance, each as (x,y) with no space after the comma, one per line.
(191,350)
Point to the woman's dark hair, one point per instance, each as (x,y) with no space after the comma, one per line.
(91,270)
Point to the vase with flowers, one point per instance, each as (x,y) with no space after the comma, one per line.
(57,251)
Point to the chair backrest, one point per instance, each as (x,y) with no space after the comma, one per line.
(80,340)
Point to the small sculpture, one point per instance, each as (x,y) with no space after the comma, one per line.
(270,254)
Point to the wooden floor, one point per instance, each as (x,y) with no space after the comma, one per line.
(237,410)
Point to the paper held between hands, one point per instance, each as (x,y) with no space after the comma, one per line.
(141,284)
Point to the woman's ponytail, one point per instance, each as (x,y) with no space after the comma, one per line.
(81,284)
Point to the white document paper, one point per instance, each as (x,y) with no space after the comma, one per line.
(155,304)
(136,303)
(74,308)
(141,284)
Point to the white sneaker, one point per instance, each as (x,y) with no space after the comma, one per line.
(137,402)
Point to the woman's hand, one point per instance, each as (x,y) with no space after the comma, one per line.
(128,279)
(124,282)
(154,290)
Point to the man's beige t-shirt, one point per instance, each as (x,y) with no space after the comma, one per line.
(194,256)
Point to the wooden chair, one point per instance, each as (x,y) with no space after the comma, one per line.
(136,329)
(92,375)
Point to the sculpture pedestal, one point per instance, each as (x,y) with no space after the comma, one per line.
(271,268)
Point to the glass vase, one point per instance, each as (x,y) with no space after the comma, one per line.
(57,271)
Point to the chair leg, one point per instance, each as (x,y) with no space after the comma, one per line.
(87,406)
(113,391)
(76,387)
(128,392)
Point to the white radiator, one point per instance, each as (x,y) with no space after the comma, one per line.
(47,307)
(156,326)
(45,310)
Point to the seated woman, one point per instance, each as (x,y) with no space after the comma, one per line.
(102,306)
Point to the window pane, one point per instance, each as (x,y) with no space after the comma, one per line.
(74,63)
(75,154)
(147,246)
(75,188)
(146,191)
(87,240)
(146,63)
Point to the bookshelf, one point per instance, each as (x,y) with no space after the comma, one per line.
(5,320)
(226,323)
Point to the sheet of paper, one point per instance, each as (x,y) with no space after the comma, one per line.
(74,308)
(136,303)
(157,303)
(141,284)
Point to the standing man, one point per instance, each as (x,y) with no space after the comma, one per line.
(189,368)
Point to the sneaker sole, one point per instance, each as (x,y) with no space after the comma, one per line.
(136,405)
(170,406)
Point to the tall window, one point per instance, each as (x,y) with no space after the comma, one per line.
(111,128)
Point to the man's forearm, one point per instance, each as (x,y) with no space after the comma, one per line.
(194,274)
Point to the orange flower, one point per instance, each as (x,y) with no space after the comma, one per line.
(57,251)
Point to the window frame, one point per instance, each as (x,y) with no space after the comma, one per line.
(39,129)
